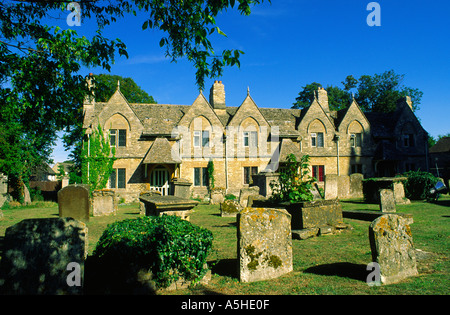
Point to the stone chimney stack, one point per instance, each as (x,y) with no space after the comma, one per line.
(89,99)
(217,95)
(405,100)
(322,98)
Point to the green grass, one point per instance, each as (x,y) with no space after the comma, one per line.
(322,265)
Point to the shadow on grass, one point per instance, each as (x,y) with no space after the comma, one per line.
(226,267)
(341,269)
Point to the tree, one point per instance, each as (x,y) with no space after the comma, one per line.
(97,159)
(41,90)
(106,85)
(377,93)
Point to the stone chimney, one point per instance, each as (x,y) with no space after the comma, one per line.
(322,98)
(217,95)
(405,100)
(89,99)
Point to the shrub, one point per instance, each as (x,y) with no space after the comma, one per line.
(167,246)
(230,197)
(294,183)
(418,185)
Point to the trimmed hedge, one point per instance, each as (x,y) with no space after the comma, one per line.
(169,247)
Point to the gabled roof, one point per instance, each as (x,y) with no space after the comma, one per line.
(159,119)
(161,153)
(288,147)
(443,145)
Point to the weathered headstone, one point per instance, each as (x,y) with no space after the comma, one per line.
(356,185)
(245,193)
(392,248)
(399,193)
(331,186)
(104,203)
(264,243)
(217,196)
(230,208)
(44,256)
(73,202)
(387,201)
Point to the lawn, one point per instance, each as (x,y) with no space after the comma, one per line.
(334,264)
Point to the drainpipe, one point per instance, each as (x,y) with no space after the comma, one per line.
(336,138)
(226,163)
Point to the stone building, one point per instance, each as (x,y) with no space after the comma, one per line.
(156,143)
(440,159)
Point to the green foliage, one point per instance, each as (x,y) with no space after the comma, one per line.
(230,197)
(210,169)
(294,183)
(167,246)
(376,93)
(418,185)
(106,85)
(97,160)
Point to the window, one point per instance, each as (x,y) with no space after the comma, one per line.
(356,140)
(317,140)
(197,139)
(201,137)
(118,137)
(250,139)
(248,172)
(319,172)
(356,168)
(117,178)
(408,140)
(201,176)
(205,138)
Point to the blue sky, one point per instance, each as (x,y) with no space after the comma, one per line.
(291,43)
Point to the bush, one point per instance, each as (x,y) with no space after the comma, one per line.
(230,197)
(295,183)
(167,246)
(418,185)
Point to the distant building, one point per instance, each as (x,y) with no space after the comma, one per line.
(156,143)
(440,159)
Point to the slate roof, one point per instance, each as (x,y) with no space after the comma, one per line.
(443,145)
(161,153)
(159,119)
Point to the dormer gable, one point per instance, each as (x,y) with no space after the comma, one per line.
(247,109)
(352,113)
(200,107)
(118,104)
(315,111)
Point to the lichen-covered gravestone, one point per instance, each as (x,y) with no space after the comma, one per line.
(230,208)
(392,248)
(37,254)
(264,243)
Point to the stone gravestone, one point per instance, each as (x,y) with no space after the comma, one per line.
(245,193)
(230,208)
(104,202)
(331,186)
(387,201)
(73,202)
(392,248)
(264,243)
(37,254)
(356,185)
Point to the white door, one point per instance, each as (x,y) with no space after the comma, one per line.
(159,180)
